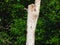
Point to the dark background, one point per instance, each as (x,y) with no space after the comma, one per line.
(13,19)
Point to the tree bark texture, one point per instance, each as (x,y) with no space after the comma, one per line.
(33,14)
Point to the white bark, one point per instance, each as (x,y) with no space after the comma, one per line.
(33,13)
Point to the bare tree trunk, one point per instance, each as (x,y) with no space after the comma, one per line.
(33,14)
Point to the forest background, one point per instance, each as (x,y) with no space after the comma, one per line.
(13,21)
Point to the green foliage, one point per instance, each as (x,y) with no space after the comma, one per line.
(54,40)
(13,20)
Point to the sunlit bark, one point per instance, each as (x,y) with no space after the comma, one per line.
(33,14)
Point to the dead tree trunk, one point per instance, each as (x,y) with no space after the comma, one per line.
(33,14)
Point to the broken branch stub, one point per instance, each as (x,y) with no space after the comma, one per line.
(33,13)
(30,25)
